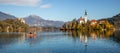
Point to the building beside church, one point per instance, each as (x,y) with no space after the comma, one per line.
(81,20)
(93,22)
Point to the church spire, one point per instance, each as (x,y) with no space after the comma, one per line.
(85,12)
(85,16)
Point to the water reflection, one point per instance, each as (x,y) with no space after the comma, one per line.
(94,35)
(116,36)
(99,39)
(61,42)
(7,39)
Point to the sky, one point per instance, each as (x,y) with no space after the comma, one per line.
(61,10)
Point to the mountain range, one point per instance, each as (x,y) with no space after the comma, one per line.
(34,20)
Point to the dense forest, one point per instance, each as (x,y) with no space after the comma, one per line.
(115,21)
(12,25)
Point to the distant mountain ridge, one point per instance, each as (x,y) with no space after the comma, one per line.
(34,20)
(4,16)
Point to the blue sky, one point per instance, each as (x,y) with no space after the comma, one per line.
(61,10)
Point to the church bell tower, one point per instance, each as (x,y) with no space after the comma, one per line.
(85,16)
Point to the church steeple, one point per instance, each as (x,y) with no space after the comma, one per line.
(85,12)
(85,16)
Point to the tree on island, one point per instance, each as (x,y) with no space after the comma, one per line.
(96,25)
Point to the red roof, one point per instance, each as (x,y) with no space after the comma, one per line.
(93,20)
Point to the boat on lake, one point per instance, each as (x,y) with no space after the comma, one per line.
(31,35)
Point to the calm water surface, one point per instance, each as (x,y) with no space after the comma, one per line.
(61,42)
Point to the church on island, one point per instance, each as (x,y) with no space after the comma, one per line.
(84,19)
(84,23)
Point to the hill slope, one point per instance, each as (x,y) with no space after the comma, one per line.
(4,16)
(115,20)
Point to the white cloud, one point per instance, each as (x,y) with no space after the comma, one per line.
(33,3)
(21,2)
(45,6)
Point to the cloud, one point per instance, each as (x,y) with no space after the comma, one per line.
(21,2)
(45,6)
(33,3)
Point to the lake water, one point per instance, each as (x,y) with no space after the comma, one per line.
(61,42)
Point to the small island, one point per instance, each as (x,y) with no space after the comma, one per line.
(85,24)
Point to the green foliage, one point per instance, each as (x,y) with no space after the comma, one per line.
(74,25)
(13,25)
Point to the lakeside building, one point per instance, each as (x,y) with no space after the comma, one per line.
(93,22)
(21,20)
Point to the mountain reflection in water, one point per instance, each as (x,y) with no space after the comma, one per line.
(61,42)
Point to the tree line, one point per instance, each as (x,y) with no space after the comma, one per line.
(75,25)
(12,25)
